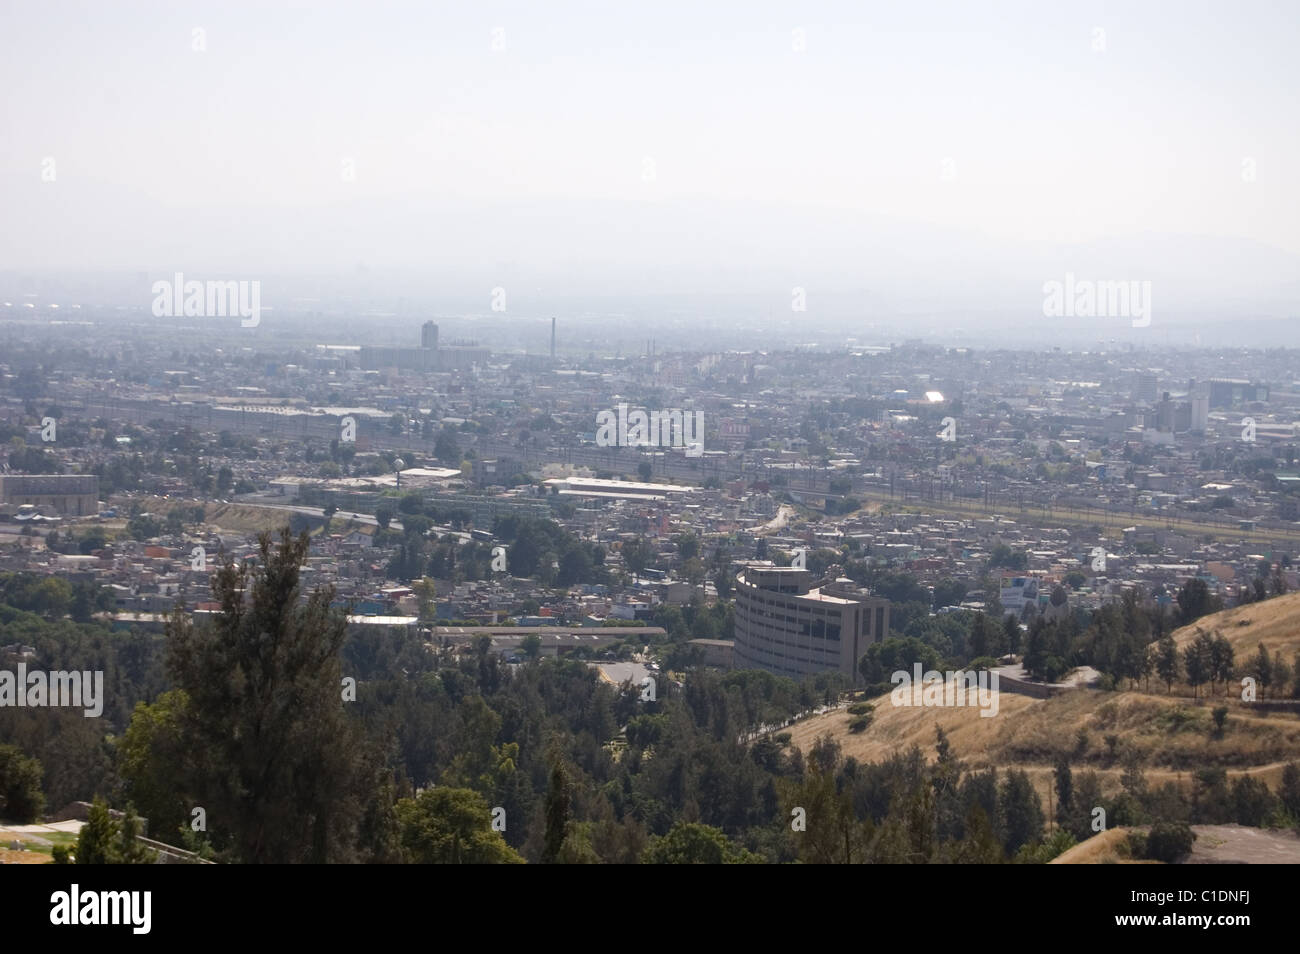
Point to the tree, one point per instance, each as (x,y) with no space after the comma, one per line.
(1289,793)
(1011,633)
(637,555)
(1169,841)
(644,471)
(1195,600)
(1021,811)
(1196,662)
(557,812)
(451,826)
(95,841)
(1261,667)
(948,592)
(690,843)
(531,645)
(130,850)
(1002,556)
(426,594)
(1064,791)
(979,636)
(1168,664)
(1202,648)
(720,569)
(103,840)
(1086,797)
(276,757)
(384,515)
(21,799)
(1281,672)
(152,757)
(446,448)
(1221,659)
(694,571)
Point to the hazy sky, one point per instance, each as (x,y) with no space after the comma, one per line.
(1000,121)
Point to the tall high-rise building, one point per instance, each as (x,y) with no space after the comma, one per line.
(787,626)
(1200,412)
(429,335)
(1144,388)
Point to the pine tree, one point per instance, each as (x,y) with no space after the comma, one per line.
(979,636)
(557,812)
(1011,635)
(1064,791)
(1196,662)
(1021,810)
(980,845)
(1261,665)
(95,841)
(277,759)
(129,850)
(1168,663)
(1221,659)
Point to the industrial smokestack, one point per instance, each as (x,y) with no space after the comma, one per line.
(552,337)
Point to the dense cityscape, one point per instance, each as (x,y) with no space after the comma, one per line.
(641,435)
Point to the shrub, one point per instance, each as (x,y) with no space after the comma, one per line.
(1169,841)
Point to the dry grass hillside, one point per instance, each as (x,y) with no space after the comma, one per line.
(1274,622)
(244,518)
(1103,849)
(1174,735)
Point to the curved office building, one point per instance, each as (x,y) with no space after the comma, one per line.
(788,627)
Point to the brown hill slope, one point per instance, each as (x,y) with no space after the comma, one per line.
(1274,622)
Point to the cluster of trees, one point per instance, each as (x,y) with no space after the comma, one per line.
(34,460)
(134,471)
(53,597)
(75,754)
(536,548)
(1212,799)
(1210,659)
(413,507)
(904,810)
(90,540)
(107,840)
(546,551)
